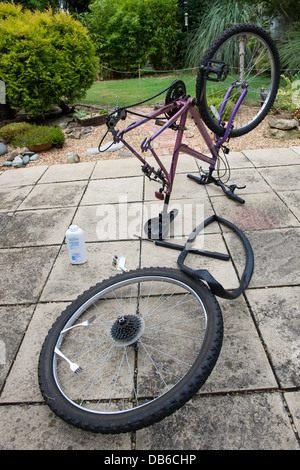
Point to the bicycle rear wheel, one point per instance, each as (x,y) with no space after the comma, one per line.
(252,61)
(145,340)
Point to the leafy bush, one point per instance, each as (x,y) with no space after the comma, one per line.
(285,96)
(129,33)
(38,135)
(46,58)
(10,131)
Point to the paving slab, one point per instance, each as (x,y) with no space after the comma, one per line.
(273,157)
(276,256)
(34,228)
(292,200)
(293,401)
(22,384)
(112,191)
(67,280)
(296,149)
(239,160)
(282,178)
(22,176)
(51,195)
(231,422)
(44,431)
(258,213)
(105,222)
(252,180)
(276,311)
(242,364)
(14,321)
(28,270)
(12,197)
(68,172)
(120,168)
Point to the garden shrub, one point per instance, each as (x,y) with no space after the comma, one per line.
(10,131)
(46,58)
(38,135)
(284,98)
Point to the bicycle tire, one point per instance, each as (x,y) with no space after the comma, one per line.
(225,45)
(181,355)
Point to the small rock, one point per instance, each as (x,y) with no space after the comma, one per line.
(63,122)
(18,162)
(86,131)
(26,159)
(92,151)
(73,157)
(283,124)
(280,134)
(111,147)
(125,154)
(34,157)
(159,104)
(12,155)
(7,163)
(3,148)
(28,153)
(72,125)
(75,135)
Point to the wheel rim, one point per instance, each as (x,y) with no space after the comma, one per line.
(257,70)
(168,331)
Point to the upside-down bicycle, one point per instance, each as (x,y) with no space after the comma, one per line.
(134,348)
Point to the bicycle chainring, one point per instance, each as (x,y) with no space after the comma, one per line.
(176,91)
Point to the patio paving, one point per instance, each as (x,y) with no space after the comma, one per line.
(252,398)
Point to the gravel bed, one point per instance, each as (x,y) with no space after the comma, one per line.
(252,140)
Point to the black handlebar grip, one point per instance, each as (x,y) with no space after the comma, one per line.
(233,196)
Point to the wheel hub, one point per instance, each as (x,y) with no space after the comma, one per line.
(127,330)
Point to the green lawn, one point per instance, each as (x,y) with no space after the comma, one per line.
(124,92)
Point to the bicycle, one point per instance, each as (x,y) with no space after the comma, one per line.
(134,348)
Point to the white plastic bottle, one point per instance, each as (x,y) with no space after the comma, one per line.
(76,245)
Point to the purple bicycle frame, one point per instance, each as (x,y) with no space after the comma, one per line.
(184,107)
